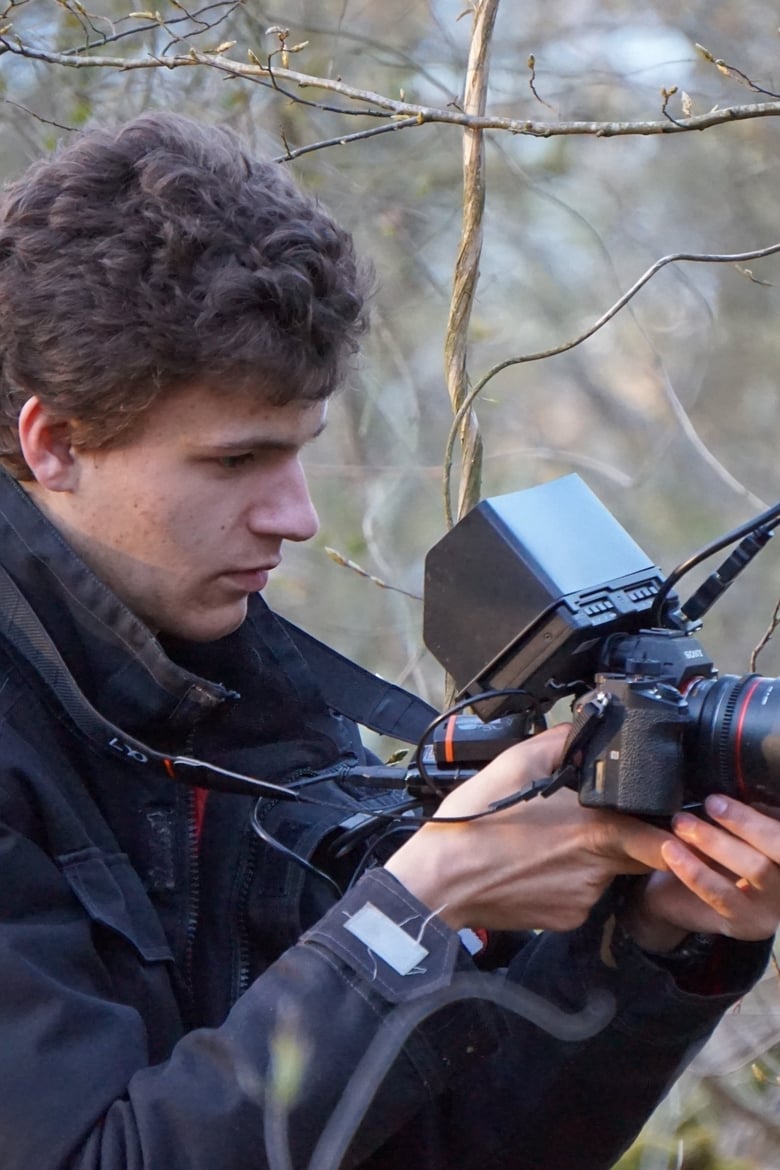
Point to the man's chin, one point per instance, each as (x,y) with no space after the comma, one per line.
(208,626)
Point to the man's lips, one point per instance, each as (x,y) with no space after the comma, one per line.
(250,580)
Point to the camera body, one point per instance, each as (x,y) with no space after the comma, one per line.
(636,759)
(541,594)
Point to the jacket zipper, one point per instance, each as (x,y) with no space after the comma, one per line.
(244,965)
(243,950)
(193,888)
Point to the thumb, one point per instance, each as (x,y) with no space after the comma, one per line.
(517,766)
(538,756)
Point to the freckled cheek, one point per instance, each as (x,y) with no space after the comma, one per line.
(183,536)
(150,533)
(195,534)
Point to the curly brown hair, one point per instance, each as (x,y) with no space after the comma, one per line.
(137,259)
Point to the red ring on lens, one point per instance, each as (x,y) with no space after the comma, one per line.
(738,736)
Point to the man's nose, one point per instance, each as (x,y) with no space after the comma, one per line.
(285,506)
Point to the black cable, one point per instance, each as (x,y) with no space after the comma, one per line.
(468,701)
(265,836)
(766,520)
(719,581)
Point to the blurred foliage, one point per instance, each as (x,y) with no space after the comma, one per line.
(670,412)
(693,1148)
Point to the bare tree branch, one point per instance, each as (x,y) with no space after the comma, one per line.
(344,139)
(766,637)
(345,563)
(377,105)
(466,274)
(532,82)
(564,347)
(707,456)
(734,73)
(37,117)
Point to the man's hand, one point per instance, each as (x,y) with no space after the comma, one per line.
(724,878)
(537,865)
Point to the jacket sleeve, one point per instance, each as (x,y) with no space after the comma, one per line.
(588,1033)
(578,1101)
(92,1081)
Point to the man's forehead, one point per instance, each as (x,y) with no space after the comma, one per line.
(226,415)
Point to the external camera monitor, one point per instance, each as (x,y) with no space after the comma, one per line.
(524,589)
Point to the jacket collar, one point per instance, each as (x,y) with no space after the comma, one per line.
(115,659)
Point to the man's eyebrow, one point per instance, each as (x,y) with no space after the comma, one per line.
(265,442)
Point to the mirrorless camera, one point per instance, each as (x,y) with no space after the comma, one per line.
(540,595)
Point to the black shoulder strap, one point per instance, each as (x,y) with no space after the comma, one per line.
(360,695)
(345,686)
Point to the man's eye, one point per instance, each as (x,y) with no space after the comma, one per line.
(231,462)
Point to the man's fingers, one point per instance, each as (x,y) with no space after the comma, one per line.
(740,910)
(758,829)
(745,847)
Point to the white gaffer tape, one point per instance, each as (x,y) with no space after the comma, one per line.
(386,939)
(471,940)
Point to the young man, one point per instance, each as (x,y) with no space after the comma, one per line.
(190,978)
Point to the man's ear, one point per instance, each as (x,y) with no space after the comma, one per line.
(46,445)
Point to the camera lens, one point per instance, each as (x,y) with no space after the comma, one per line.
(732,739)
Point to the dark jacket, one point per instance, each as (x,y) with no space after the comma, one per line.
(178,995)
